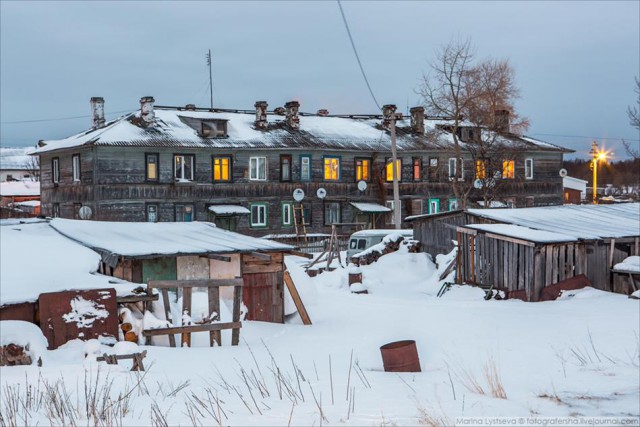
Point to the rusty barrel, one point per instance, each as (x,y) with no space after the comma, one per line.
(400,356)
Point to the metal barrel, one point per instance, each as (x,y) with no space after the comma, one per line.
(400,356)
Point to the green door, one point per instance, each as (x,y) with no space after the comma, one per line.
(159,269)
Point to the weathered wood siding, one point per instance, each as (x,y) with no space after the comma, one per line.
(113,184)
(437,232)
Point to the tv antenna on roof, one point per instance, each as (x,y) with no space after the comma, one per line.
(209,61)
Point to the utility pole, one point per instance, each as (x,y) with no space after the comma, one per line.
(210,78)
(394,167)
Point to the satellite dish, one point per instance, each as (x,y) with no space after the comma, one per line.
(321,193)
(298,194)
(362,185)
(85,212)
(477,184)
(563,172)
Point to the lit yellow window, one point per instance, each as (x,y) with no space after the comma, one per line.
(481,169)
(221,168)
(362,169)
(508,169)
(389,170)
(331,169)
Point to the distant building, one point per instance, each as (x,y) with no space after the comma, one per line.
(575,190)
(19,199)
(17,165)
(239,168)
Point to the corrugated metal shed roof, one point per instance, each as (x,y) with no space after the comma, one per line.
(143,239)
(577,221)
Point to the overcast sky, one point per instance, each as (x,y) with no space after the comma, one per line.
(575,62)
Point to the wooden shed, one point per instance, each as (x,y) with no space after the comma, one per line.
(522,251)
(436,231)
(139,252)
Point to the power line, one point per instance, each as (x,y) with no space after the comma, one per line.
(355,51)
(58,119)
(585,137)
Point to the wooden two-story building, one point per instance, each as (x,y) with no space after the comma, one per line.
(240,168)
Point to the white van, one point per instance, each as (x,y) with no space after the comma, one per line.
(364,239)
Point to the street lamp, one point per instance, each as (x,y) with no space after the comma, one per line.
(597,155)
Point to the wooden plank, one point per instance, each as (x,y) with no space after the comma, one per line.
(136,298)
(262,268)
(522,265)
(473,268)
(237,301)
(214,307)
(193,328)
(217,257)
(302,254)
(509,239)
(548,270)
(186,310)
(538,277)
(562,262)
(461,247)
(202,283)
(167,312)
(306,320)
(261,256)
(611,246)
(554,264)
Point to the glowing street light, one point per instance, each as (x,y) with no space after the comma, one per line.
(597,155)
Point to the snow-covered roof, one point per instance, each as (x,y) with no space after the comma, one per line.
(229,210)
(524,233)
(134,239)
(15,158)
(37,259)
(328,132)
(20,188)
(383,232)
(574,183)
(370,207)
(576,221)
(28,203)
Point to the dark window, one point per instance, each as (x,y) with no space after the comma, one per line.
(183,166)
(305,168)
(152,213)
(222,168)
(331,213)
(152,170)
(184,213)
(214,128)
(362,243)
(285,168)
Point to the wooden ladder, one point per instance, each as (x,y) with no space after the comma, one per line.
(298,221)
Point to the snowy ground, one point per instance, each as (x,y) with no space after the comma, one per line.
(577,356)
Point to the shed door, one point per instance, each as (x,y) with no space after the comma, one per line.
(159,269)
(262,294)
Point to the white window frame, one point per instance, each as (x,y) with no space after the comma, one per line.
(305,168)
(331,212)
(257,168)
(55,170)
(75,167)
(528,168)
(184,157)
(287,214)
(455,163)
(255,219)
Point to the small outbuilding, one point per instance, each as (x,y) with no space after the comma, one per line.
(139,252)
(522,251)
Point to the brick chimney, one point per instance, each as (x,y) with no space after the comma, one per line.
(388,111)
(261,114)
(146,109)
(293,121)
(417,120)
(501,121)
(97,112)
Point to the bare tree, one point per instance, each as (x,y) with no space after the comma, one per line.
(478,99)
(32,165)
(634,120)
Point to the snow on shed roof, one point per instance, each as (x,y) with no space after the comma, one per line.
(37,259)
(136,239)
(370,207)
(20,188)
(524,233)
(577,221)
(170,129)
